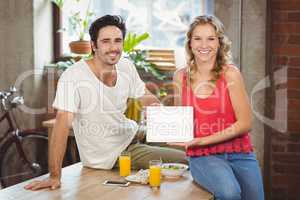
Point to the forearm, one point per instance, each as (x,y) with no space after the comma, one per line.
(233,131)
(57,148)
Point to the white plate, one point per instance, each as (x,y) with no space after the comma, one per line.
(173,169)
(140,177)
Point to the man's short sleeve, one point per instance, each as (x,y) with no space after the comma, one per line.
(67,96)
(137,86)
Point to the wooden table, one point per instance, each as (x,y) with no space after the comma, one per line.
(80,183)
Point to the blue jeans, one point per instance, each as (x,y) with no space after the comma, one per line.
(229,176)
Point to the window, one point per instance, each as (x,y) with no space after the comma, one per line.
(166,21)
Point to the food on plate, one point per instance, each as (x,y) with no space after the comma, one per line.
(173,169)
(172,166)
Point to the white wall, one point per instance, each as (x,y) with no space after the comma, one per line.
(26,45)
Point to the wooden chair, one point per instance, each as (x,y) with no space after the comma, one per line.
(164,59)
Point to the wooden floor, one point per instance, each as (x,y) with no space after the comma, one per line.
(79,183)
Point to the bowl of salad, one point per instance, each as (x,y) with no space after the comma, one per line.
(173,169)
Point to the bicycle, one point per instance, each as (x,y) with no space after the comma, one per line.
(23,154)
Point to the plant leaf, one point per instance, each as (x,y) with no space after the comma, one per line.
(141,38)
(58,3)
(132,40)
(127,41)
(61,30)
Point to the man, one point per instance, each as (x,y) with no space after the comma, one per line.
(92,96)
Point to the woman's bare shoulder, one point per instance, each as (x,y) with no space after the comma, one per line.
(232,73)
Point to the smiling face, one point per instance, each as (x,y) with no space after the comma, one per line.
(108,49)
(204,43)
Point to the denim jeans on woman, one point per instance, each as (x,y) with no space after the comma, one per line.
(229,176)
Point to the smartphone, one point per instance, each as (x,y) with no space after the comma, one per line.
(116,183)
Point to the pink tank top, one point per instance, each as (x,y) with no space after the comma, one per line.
(211,115)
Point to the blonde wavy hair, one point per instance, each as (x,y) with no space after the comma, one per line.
(224,55)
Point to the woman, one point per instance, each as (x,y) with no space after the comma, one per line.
(221,154)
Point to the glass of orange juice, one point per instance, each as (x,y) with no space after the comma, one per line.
(154,172)
(125,164)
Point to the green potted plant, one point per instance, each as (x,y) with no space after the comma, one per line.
(139,57)
(79,25)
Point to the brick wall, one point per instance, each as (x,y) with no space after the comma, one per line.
(282,169)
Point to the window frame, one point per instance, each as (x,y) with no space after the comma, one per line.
(57,24)
(57,36)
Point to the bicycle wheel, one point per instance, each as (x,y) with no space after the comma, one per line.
(14,169)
